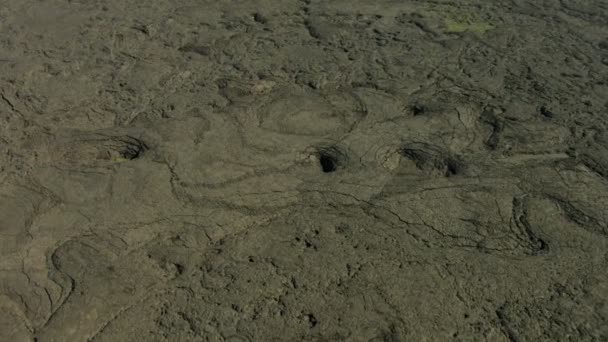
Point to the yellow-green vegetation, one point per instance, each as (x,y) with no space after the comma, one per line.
(119,159)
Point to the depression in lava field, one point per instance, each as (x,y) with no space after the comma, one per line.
(303,170)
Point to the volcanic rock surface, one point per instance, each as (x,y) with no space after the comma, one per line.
(303,170)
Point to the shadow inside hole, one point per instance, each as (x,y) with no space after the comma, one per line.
(544,111)
(328,163)
(133,148)
(418,110)
(131,153)
(452,167)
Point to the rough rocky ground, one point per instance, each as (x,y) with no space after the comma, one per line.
(195,170)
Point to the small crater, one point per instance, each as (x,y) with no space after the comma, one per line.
(453,167)
(330,159)
(312,320)
(124,148)
(132,148)
(313,30)
(418,110)
(544,111)
(328,163)
(433,160)
(90,150)
(260,18)
(179,269)
(309,244)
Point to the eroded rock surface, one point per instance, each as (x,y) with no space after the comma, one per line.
(303,170)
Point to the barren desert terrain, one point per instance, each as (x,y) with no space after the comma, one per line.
(303,170)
